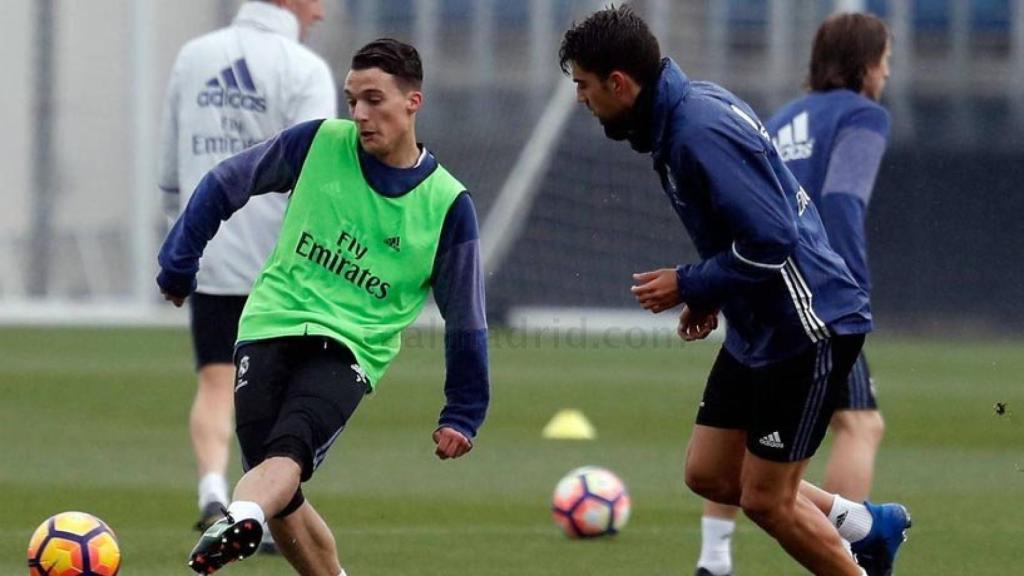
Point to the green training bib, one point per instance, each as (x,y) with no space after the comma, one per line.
(350,264)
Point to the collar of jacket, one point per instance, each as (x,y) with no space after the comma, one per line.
(670,91)
(269,18)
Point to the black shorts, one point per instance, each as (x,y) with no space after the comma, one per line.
(293,397)
(784,407)
(214,323)
(860,388)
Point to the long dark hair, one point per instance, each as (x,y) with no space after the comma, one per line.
(845,46)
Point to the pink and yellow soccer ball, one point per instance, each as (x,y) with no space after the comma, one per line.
(73,544)
(590,502)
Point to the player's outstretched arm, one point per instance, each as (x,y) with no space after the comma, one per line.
(459,292)
(271,166)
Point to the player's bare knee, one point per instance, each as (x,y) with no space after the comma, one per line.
(697,482)
(712,487)
(867,426)
(283,467)
(766,509)
(297,502)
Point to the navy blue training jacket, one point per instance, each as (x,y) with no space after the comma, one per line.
(766,261)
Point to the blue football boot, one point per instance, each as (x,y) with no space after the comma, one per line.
(876,552)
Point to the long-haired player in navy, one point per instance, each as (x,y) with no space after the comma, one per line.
(832,139)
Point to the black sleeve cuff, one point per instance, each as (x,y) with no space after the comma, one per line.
(176,284)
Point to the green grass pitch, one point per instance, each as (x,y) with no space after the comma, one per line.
(95,420)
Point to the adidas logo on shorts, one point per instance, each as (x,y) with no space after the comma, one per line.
(772,440)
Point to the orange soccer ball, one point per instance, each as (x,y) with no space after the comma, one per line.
(73,544)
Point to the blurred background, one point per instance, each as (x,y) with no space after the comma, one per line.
(566,215)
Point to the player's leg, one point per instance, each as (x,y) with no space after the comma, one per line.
(271,485)
(795,400)
(214,325)
(772,499)
(717,525)
(210,429)
(322,390)
(857,430)
(260,382)
(792,402)
(875,531)
(321,394)
(851,466)
(306,541)
(714,460)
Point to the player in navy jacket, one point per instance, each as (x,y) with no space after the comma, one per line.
(796,316)
(832,139)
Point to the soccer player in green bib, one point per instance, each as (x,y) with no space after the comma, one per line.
(373,224)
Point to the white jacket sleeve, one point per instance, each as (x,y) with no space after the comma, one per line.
(168,178)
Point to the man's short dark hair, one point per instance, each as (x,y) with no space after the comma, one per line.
(397,58)
(609,40)
(845,46)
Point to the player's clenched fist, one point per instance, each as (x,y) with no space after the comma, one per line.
(451,443)
(696,325)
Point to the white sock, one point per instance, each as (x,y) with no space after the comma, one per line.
(715,542)
(242,510)
(342,573)
(213,487)
(852,520)
(846,546)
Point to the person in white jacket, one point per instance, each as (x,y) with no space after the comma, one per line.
(228,90)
